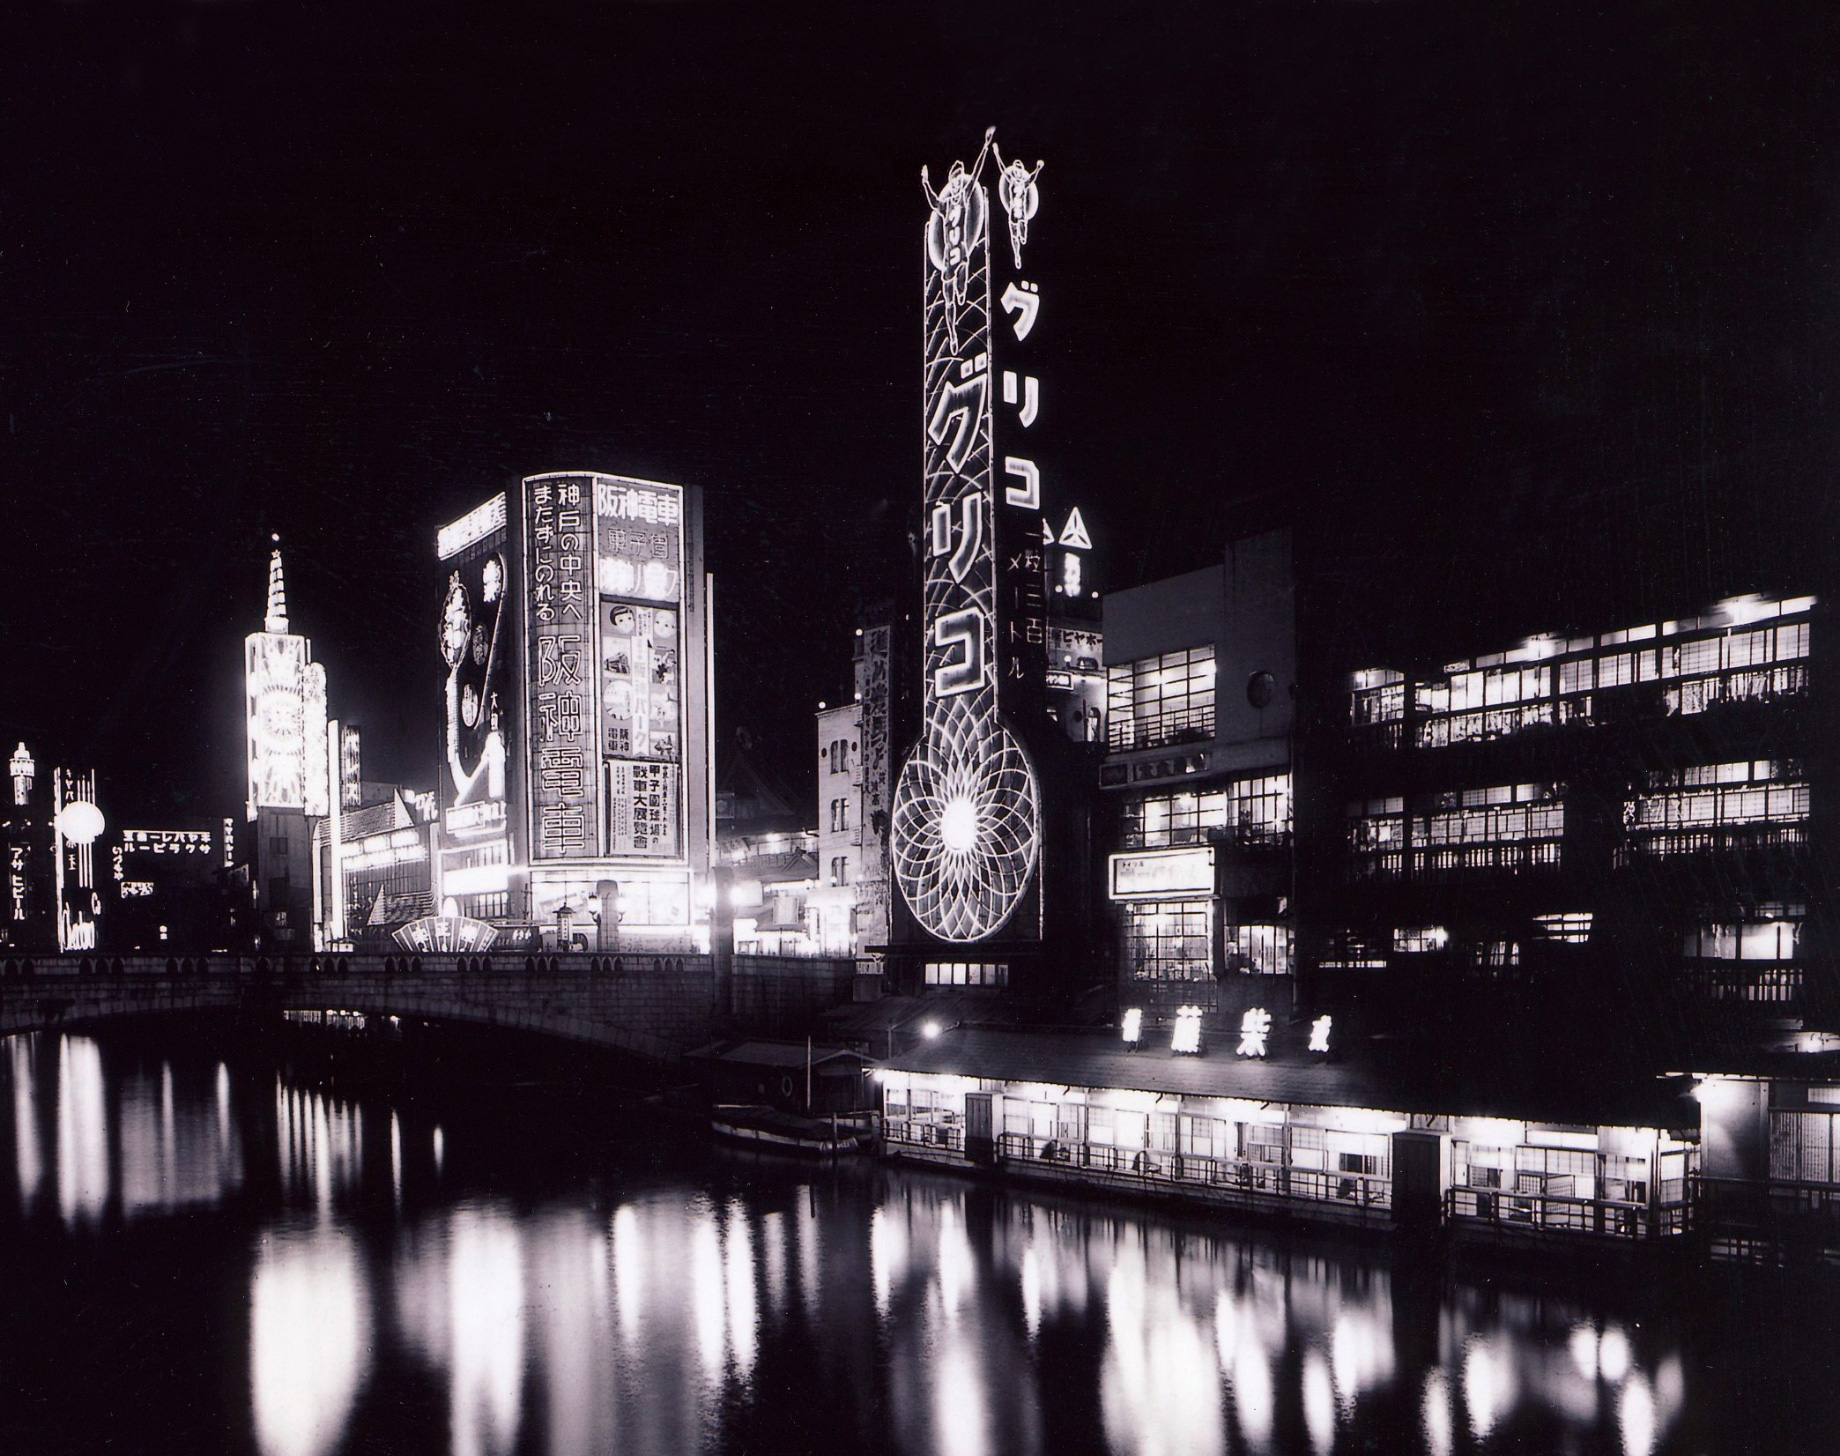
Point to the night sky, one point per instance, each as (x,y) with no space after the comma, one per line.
(1548,303)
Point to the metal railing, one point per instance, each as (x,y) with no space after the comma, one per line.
(1510,1213)
(914,1133)
(1125,734)
(1244,1179)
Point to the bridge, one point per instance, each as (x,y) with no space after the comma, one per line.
(654,1007)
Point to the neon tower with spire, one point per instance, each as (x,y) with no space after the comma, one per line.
(285,718)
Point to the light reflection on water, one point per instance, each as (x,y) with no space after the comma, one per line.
(701,1306)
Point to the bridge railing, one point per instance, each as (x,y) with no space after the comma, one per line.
(26,966)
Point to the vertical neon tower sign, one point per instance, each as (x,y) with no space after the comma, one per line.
(965,830)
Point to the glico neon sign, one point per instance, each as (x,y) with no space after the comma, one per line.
(965,830)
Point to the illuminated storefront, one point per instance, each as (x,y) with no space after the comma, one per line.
(576,804)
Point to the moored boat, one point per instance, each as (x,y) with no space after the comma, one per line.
(772,1130)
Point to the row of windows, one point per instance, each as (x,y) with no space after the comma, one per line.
(1164,699)
(1172,940)
(966,973)
(1682,808)
(1250,811)
(1522,825)
(1495,699)
(837,755)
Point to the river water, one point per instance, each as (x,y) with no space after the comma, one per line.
(204,1251)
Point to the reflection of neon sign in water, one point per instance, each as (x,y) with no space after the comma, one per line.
(26,1158)
(309,1340)
(82,1131)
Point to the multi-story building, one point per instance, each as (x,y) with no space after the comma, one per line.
(843,869)
(576,798)
(168,888)
(1608,837)
(1200,673)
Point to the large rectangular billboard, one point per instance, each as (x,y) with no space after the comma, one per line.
(478,641)
(605,591)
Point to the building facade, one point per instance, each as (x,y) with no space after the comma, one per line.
(1614,835)
(1200,684)
(841,867)
(576,798)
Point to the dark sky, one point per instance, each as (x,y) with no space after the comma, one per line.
(1549,301)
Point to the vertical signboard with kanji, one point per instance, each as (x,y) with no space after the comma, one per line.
(1023,469)
(564,762)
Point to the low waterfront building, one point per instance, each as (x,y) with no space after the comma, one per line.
(375,864)
(1312,1141)
(771,882)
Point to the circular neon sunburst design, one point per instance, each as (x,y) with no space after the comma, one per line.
(965,826)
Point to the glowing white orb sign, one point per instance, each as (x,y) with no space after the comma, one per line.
(965,827)
(80,822)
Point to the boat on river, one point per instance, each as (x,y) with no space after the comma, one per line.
(771,1130)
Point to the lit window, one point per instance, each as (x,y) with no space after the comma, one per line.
(1262,950)
(1572,927)
(1160,700)
(1168,940)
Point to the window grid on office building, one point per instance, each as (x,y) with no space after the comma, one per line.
(1158,700)
(1719,806)
(1508,826)
(1169,940)
(1696,663)
(1376,838)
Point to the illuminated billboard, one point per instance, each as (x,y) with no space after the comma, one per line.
(286,720)
(640,564)
(605,564)
(473,642)
(284,712)
(564,763)
(351,769)
(965,828)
